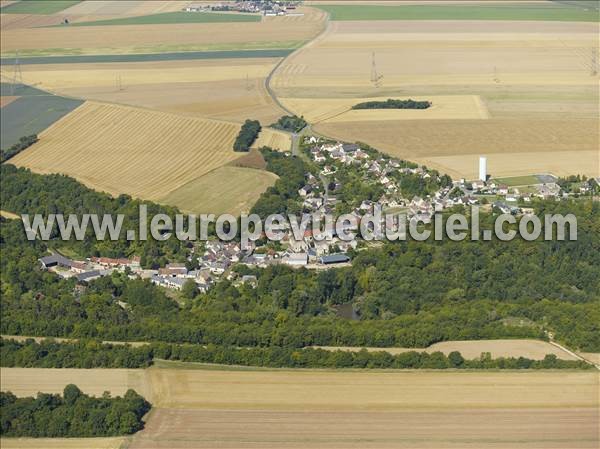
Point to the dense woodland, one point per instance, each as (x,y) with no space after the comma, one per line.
(74,414)
(282,197)
(22,191)
(409,294)
(290,123)
(247,135)
(390,103)
(92,354)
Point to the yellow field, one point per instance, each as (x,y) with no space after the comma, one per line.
(277,140)
(532,349)
(120,149)
(224,89)
(336,110)
(57,77)
(63,443)
(352,409)
(513,146)
(230,190)
(365,390)
(532,83)
(120,39)
(30,381)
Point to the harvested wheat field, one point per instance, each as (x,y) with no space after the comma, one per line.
(232,190)
(122,39)
(369,390)
(472,349)
(351,409)
(63,443)
(30,381)
(531,86)
(356,409)
(226,89)
(508,428)
(275,139)
(120,149)
(513,147)
(336,110)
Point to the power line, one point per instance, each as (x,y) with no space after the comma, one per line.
(17,79)
(376,78)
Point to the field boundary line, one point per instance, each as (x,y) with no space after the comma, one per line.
(577,356)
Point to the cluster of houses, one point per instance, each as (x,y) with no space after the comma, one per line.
(88,269)
(381,170)
(266,7)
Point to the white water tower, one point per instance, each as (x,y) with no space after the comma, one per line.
(483,168)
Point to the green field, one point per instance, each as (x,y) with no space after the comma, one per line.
(173,17)
(32,113)
(38,6)
(552,12)
(148,57)
(518,180)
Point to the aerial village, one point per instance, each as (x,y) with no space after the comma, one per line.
(214,259)
(265,7)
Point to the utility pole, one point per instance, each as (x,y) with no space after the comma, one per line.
(375,76)
(17,76)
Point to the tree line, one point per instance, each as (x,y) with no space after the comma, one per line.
(390,103)
(74,414)
(93,354)
(23,143)
(247,135)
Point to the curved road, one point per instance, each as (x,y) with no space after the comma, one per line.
(269,89)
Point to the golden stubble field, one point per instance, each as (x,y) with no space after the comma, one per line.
(226,190)
(224,89)
(199,408)
(537,99)
(167,158)
(119,149)
(276,32)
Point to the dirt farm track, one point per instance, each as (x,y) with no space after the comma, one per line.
(207,408)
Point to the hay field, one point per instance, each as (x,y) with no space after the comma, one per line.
(532,80)
(232,190)
(120,39)
(119,149)
(63,443)
(532,349)
(227,89)
(29,381)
